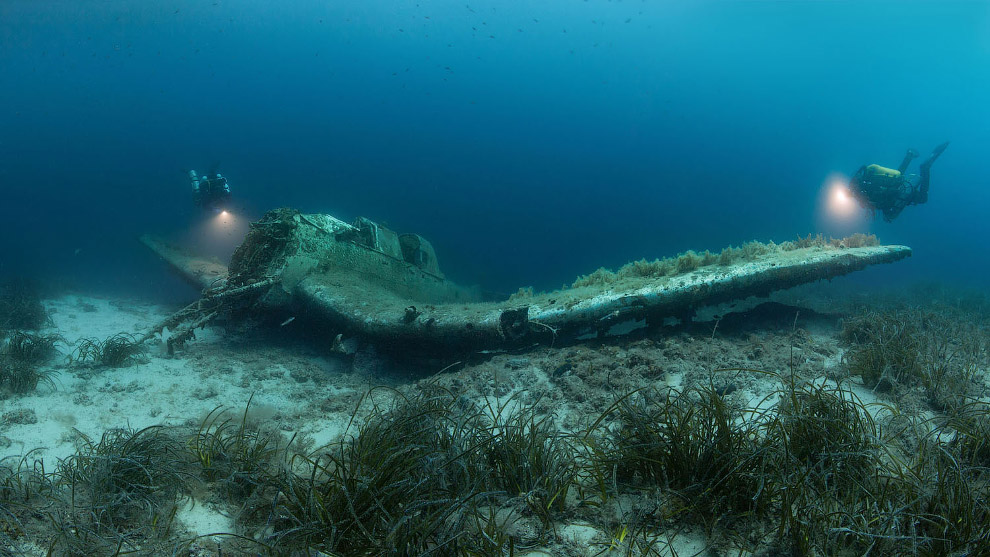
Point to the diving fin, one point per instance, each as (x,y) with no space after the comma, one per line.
(935,153)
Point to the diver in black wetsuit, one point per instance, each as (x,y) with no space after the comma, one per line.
(210,192)
(889,191)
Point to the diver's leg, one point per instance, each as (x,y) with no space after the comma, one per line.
(925,166)
(908,157)
(921,196)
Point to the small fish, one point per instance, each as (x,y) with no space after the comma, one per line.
(287,321)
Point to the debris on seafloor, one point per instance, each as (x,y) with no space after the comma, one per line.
(365,280)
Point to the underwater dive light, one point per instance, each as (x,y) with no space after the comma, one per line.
(841,203)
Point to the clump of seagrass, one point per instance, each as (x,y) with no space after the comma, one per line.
(827,450)
(119,350)
(948,501)
(971,424)
(421,475)
(21,359)
(932,500)
(827,430)
(913,348)
(839,485)
(20,306)
(118,491)
(29,347)
(527,457)
(234,455)
(887,349)
(809,474)
(381,488)
(19,377)
(25,487)
(691,445)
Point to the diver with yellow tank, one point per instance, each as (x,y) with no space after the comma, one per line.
(889,191)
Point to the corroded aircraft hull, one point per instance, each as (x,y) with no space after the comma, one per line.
(364,280)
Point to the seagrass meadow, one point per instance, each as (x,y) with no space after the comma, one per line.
(819,421)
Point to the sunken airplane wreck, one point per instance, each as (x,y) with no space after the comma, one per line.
(366,281)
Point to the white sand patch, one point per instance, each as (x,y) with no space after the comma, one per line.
(674,543)
(581,534)
(202,519)
(76,317)
(328,430)
(160,390)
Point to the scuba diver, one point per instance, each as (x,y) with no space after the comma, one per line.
(889,191)
(211,193)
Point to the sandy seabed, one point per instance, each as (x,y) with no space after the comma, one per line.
(312,394)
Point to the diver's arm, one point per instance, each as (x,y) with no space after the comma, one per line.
(856,182)
(857,188)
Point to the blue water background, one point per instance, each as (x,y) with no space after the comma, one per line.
(530,141)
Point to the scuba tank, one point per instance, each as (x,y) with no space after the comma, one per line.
(195,181)
(877,170)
